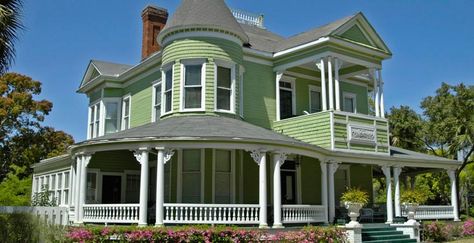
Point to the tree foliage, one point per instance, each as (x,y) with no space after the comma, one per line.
(10,24)
(15,190)
(406,128)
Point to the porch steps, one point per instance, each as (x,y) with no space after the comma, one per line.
(380,233)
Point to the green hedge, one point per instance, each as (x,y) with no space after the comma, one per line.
(24,227)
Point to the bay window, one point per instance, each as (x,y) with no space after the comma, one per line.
(192,82)
(225,83)
(156,112)
(111,116)
(167,90)
(126,113)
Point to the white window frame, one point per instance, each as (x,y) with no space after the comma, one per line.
(123,106)
(98,185)
(232,175)
(183,65)
(117,100)
(46,178)
(154,118)
(286,79)
(124,183)
(231,66)
(351,96)
(312,88)
(179,191)
(163,87)
(92,120)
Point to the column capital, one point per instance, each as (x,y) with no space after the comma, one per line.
(168,154)
(280,156)
(333,165)
(139,152)
(386,170)
(337,63)
(397,170)
(257,155)
(320,64)
(451,174)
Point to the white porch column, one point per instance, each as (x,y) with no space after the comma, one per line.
(278,160)
(77,187)
(85,159)
(164,155)
(388,182)
(322,69)
(279,75)
(454,193)
(324,188)
(331,83)
(260,158)
(142,157)
(332,200)
(382,109)
(396,174)
(337,66)
(376,92)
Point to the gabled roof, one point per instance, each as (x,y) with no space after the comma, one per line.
(96,68)
(203,13)
(262,39)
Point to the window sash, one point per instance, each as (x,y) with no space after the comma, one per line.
(315,105)
(168,90)
(224,88)
(126,113)
(192,87)
(191,176)
(111,117)
(157,101)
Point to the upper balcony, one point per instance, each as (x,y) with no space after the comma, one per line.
(328,103)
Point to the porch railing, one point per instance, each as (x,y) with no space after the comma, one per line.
(302,213)
(50,215)
(181,213)
(432,212)
(111,213)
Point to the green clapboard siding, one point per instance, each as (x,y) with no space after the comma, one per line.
(313,128)
(95,96)
(259,94)
(356,34)
(141,94)
(113,92)
(114,161)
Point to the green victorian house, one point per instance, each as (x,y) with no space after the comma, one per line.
(226,122)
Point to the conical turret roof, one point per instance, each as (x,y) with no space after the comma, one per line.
(203,13)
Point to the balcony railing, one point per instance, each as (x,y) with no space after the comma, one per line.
(111,213)
(180,213)
(303,213)
(338,130)
(432,212)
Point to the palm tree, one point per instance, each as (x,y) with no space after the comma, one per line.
(10,24)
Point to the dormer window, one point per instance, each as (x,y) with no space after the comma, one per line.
(225,87)
(192,83)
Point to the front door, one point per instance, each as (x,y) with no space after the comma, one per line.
(111,189)
(288,183)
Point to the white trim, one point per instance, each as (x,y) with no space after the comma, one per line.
(163,89)
(232,175)
(184,63)
(297,48)
(231,66)
(117,100)
(241,93)
(312,88)
(349,95)
(331,129)
(154,118)
(122,115)
(258,60)
(187,34)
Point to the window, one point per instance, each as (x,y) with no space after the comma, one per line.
(286,99)
(191,176)
(94,120)
(168,90)
(66,187)
(224,88)
(132,189)
(59,187)
(350,102)
(111,116)
(192,86)
(223,180)
(91,191)
(314,99)
(126,113)
(156,102)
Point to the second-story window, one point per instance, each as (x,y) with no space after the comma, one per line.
(94,120)
(156,102)
(286,99)
(111,116)
(314,99)
(349,102)
(126,113)
(225,88)
(168,91)
(192,86)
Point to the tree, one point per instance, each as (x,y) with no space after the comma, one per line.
(406,129)
(15,191)
(10,24)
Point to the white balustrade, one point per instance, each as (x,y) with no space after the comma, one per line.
(50,215)
(432,212)
(181,213)
(111,213)
(303,213)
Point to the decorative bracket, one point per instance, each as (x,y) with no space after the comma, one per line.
(397,170)
(168,154)
(87,158)
(386,170)
(319,65)
(281,157)
(333,166)
(257,155)
(138,154)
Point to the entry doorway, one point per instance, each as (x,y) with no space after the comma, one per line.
(288,183)
(111,189)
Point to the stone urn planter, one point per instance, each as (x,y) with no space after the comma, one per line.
(353,209)
(411,210)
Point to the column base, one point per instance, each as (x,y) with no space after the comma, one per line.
(457,220)
(278,226)
(263,226)
(142,224)
(389,222)
(159,225)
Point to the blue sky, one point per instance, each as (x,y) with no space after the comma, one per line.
(431,41)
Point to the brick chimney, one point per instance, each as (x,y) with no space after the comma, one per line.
(154,20)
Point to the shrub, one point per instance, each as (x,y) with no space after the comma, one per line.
(436,232)
(414,196)
(43,198)
(18,227)
(468,228)
(355,195)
